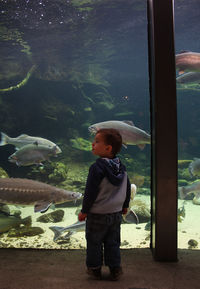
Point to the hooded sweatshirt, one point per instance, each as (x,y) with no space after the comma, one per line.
(107,188)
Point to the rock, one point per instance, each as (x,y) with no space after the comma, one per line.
(53,217)
(192,244)
(25,232)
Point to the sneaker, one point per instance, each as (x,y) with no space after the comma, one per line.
(94,272)
(115,273)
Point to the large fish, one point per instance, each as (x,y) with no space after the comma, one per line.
(32,154)
(18,191)
(188,77)
(131,135)
(187,190)
(9,222)
(25,139)
(188,61)
(71,229)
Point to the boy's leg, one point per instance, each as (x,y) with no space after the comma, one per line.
(95,232)
(112,247)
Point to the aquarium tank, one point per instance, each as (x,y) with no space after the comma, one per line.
(187,46)
(65,66)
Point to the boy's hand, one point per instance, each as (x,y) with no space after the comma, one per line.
(124,211)
(82,216)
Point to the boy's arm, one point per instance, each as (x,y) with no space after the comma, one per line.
(94,179)
(128,195)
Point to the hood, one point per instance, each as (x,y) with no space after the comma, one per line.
(113,168)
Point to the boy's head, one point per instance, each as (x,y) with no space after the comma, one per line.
(107,143)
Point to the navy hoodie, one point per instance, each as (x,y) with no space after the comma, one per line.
(107,188)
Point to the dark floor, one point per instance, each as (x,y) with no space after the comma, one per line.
(56,269)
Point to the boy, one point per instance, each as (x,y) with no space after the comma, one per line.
(106,198)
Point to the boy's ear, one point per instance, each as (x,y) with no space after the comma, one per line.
(109,148)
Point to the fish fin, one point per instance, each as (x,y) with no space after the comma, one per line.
(141,146)
(42,207)
(22,136)
(4,139)
(68,235)
(181,72)
(129,122)
(124,145)
(131,218)
(57,232)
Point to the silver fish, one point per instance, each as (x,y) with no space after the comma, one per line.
(71,229)
(194,167)
(188,77)
(9,222)
(19,191)
(188,61)
(131,135)
(32,154)
(25,139)
(131,217)
(187,190)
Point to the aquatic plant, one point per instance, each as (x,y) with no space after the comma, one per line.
(59,173)
(16,36)
(3,173)
(22,83)
(81,144)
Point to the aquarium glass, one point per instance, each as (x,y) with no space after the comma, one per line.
(187,44)
(66,65)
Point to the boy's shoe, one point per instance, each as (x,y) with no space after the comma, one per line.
(115,273)
(94,272)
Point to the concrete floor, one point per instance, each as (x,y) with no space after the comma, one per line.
(56,269)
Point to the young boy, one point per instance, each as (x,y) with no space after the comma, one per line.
(106,198)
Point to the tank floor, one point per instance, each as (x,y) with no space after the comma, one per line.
(56,269)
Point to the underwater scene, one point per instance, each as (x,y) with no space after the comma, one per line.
(67,69)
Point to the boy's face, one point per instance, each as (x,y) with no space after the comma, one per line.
(101,149)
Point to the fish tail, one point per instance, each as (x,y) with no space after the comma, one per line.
(4,139)
(182,193)
(57,232)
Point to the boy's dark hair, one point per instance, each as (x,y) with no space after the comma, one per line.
(112,137)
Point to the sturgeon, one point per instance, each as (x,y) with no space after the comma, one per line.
(131,135)
(17,191)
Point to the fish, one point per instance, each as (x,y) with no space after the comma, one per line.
(71,229)
(194,188)
(194,167)
(133,193)
(188,77)
(131,217)
(25,139)
(32,154)
(19,191)
(188,61)
(8,222)
(131,135)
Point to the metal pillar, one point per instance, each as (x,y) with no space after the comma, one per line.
(163,130)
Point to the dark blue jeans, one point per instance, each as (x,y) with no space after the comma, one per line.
(103,236)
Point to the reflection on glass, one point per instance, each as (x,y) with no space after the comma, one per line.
(66,65)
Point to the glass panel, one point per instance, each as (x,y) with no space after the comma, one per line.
(66,65)
(187,25)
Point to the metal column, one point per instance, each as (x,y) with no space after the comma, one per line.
(163,130)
